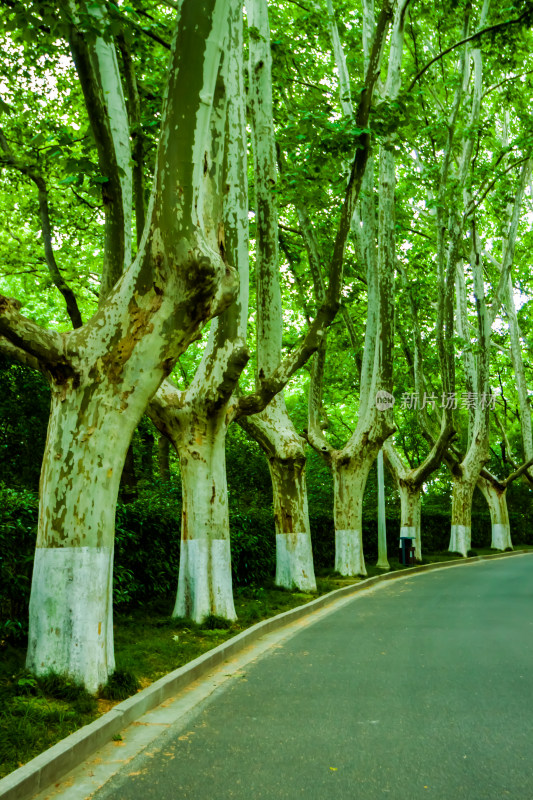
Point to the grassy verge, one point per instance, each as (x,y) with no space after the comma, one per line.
(35,713)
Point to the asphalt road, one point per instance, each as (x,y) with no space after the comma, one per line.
(420,689)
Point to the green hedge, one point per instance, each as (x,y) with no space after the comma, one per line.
(147,547)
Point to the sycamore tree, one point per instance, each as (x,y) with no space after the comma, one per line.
(103,373)
(375,236)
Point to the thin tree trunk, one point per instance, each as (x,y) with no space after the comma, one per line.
(147,453)
(128,480)
(383,561)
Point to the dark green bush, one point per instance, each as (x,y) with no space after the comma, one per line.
(24,409)
(253,547)
(147,537)
(18,527)
(323,540)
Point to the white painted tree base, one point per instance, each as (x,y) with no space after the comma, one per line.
(294,562)
(460,539)
(71,630)
(501,536)
(204,585)
(349,558)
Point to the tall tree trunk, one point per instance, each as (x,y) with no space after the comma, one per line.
(283,447)
(285,452)
(205,584)
(196,420)
(349,481)
(351,465)
(499,516)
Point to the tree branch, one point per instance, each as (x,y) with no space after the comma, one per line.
(46,346)
(517,473)
(11,351)
(490,29)
(46,228)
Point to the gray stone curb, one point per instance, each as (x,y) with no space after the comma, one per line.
(50,766)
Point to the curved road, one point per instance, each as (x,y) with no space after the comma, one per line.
(419,689)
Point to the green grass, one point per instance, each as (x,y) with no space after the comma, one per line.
(35,713)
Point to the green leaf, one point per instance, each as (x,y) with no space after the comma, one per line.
(68,180)
(5,108)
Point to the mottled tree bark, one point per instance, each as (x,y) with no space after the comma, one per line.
(496,497)
(285,452)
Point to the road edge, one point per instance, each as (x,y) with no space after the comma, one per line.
(51,765)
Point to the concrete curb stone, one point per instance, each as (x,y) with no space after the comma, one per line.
(50,766)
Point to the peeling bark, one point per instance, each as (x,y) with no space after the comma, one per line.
(461,531)
(285,451)
(349,481)
(205,584)
(351,465)
(496,498)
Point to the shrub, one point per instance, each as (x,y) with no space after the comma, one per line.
(253,547)
(18,527)
(147,537)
